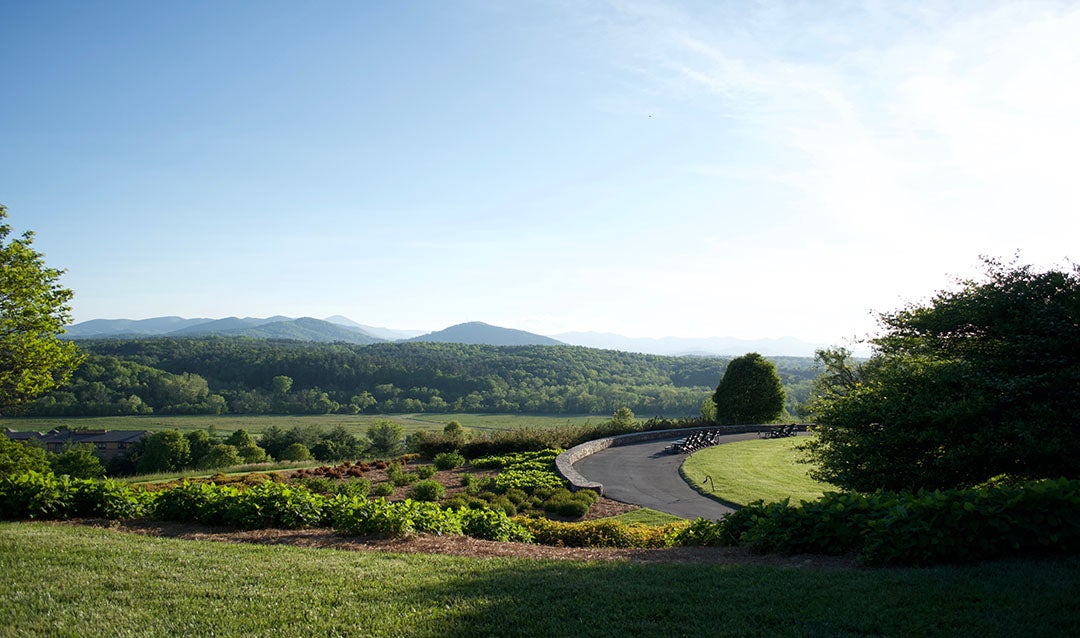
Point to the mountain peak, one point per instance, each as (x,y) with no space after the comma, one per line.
(480,333)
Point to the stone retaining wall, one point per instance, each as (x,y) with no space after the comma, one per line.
(564,463)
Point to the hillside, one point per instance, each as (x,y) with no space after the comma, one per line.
(236,375)
(338,328)
(479,333)
(302,329)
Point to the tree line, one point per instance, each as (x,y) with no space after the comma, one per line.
(217,375)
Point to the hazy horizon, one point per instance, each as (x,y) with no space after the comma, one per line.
(646,169)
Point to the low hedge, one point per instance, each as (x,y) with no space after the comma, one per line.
(1038,518)
(603,532)
(35,495)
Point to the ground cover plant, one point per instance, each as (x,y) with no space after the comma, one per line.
(68,580)
(757,470)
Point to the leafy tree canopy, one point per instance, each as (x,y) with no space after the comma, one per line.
(979,382)
(77,461)
(19,457)
(749,392)
(33,312)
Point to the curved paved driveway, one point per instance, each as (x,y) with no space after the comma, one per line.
(644,474)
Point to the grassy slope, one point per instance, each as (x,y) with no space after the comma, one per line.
(66,581)
(255,424)
(745,471)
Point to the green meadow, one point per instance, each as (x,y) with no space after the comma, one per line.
(255,424)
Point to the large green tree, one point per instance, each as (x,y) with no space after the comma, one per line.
(387,438)
(33,312)
(749,392)
(981,381)
(164,451)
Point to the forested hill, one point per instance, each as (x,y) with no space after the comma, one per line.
(252,376)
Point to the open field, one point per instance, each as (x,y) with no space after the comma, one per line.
(255,424)
(746,471)
(62,580)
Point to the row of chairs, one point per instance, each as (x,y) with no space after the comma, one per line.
(695,441)
(779,432)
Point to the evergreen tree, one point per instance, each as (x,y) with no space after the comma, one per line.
(749,392)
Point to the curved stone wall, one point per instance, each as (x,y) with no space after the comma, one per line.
(564,463)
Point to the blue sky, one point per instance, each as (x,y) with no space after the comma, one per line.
(745,169)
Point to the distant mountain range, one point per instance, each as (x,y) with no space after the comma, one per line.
(479,333)
(341,329)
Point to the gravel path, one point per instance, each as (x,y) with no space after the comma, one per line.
(644,474)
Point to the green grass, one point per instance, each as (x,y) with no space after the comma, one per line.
(746,471)
(61,580)
(646,516)
(255,424)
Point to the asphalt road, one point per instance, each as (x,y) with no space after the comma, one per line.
(644,474)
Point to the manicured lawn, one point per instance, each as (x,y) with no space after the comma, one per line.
(745,471)
(59,580)
(646,516)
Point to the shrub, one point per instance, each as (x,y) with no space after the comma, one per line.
(382,489)
(36,495)
(427,490)
(448,460)
(702,533)
(296,452)
(493,525)
(109,499)
(425,471)
(358,487)
(77,461)
(922,528)
(570,504)
(399,476)
(357,516)
(600,533)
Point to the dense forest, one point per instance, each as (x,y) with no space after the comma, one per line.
(215,375)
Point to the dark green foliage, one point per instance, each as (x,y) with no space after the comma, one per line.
(706,533)
(220,455)
(164,451)
(448,460)
(749,392)
(427,490)
(295,452)
(425,471)
(77,461)
(269,504)
(199,444)
(980,381)
(570,504)
(36,495)
(19,457)
(493,525)
(389,378)
(1040,518)
(385,488)
(387,439)
(399,477)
